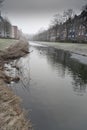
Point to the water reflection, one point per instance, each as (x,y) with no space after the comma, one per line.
(62,62)
(51,94)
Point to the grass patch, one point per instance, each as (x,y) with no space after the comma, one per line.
(4,43)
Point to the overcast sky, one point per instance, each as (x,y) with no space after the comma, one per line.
(31,15)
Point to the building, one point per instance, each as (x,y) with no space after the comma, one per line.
(15,32)
(7,30)
(2,30)
(72,30)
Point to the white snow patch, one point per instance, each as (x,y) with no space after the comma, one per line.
(80,58)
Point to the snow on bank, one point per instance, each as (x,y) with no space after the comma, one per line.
(80,58)
(78,51)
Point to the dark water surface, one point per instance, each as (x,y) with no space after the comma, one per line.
(53,89)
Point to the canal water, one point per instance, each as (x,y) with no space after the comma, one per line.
(53,89)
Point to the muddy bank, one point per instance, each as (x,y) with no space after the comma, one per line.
(12,117)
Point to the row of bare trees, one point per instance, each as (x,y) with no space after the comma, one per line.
(66,19)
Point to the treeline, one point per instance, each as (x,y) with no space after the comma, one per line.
(66,27)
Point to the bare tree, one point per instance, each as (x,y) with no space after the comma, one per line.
(1,1)
(69,14)
(57,20)
(84,8)
(84,17)
(7,27)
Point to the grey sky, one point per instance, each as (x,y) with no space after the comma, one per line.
(31,15)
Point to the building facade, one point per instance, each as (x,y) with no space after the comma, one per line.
(73,30)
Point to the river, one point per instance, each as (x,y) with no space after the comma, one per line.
(53,89)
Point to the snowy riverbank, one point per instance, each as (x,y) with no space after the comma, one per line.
(77,48)
(79,51)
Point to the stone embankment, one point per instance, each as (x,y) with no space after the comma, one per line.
(12,117)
